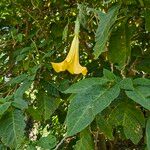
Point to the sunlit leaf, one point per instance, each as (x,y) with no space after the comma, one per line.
(85,106)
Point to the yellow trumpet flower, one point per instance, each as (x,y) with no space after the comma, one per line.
(71,63)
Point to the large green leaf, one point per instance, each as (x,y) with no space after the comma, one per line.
(119,46)
(12,128)
(84,84)
(46,105)
(85,106)
(85,142)
(131,119)
(140,95)
(148,133)
(104,28)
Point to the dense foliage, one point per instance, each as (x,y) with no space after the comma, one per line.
(108,108)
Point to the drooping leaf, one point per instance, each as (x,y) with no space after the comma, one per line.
(85,142)
(104,126)
(48,142)
(12,128)
(148,133)
(83,15)
(104,29)
(119,46)
(131,119)
(85,106)
(140,95)
(46,105)
(84,84)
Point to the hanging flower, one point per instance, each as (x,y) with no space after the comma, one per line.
(71,63)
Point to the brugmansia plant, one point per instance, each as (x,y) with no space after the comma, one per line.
(48,100)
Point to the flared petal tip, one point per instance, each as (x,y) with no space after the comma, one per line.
(58,67)
(84,71)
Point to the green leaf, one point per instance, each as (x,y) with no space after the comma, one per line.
(19,102)
(148,133)
(84,84)
(46,105)
(3,147)
(119,46)
(140,95)
(142,81)
(85,142)
(132,120)
(85,106)
(51,88)
(48,142)
(126,84)
(147,19)
(20,37)
(35,113)
(104,29)
(31,147)
(83,18)
(104,126)
(65,33)
(109,75)
(48,54)
(12,128)
(4,107)
(20,91)
(23,53)
(17,79)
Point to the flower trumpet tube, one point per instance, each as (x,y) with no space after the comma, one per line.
(71,63)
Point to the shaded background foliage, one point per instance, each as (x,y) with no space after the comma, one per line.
(33,105)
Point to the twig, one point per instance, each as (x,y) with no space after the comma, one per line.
(58,145)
